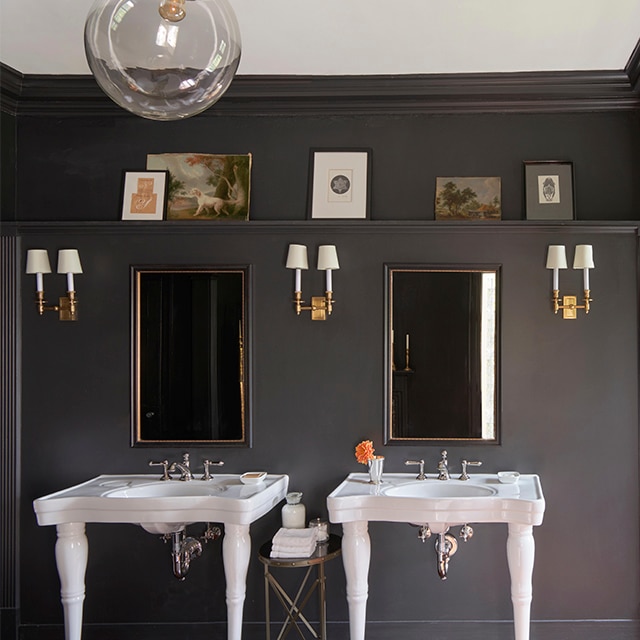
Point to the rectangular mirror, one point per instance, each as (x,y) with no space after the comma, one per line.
(442,354)
(190,360)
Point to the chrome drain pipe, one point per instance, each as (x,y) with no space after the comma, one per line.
(183,549)
(446,546)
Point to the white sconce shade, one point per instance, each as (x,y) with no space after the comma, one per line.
(297,257)
(69,263)
(556,257)
(38,261)
(327,257)
(583,258)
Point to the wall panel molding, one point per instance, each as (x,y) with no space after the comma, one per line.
(531,92)
(9,422)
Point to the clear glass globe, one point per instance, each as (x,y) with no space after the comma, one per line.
(163,59)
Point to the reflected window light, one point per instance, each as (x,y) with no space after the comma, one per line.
(214,63)
(487,351)
(187,84)
(167,36)
(120,14)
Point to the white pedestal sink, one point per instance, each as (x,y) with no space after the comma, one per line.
(440,504)
(159,507)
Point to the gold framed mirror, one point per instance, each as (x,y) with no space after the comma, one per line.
(442,356)
(190,365)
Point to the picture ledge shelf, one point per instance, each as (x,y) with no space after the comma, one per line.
(312,226)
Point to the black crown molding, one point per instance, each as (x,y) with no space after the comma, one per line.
(531,92)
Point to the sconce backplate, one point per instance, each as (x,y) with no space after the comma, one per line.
(318,308)
(65,310)
(569,307)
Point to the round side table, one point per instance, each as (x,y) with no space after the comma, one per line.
(294,606)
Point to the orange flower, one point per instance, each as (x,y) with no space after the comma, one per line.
(365,451)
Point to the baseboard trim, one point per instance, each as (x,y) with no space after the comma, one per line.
(407,630)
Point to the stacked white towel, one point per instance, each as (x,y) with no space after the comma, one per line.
(294,543)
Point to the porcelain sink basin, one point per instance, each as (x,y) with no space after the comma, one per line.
(194,488)
(439,489)
(440,503)
(162,506)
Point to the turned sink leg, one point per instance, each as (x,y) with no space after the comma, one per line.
(356,555)
(72,550)
(520,556)
(236,549)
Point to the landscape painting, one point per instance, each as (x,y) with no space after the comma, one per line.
(205,186)
(468,199)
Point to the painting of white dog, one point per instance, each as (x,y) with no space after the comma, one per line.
(205,186)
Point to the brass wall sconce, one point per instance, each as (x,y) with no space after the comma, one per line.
(69,263)
(321,306)
(582,259)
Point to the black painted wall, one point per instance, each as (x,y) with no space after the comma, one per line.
(569,389)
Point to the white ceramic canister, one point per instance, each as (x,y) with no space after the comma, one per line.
(294,514)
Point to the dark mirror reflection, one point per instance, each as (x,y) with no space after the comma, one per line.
(442,354)
(190,356)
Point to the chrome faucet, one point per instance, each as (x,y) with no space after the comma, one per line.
(182,467)
(443,467)
(420,475)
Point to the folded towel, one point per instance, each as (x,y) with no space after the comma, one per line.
(294,543)
(295,534)
(286,554)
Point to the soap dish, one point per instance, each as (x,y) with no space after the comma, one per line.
(508,477)
(253,477)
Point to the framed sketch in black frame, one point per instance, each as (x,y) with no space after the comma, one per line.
(339,184)
(548,190)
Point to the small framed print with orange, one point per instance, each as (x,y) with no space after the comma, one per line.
(144,195)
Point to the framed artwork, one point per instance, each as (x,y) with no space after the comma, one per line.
(548,190)
(468,199)
(340,184)
(144,195)
(205,186)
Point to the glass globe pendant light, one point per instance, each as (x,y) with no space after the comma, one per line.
(163,59)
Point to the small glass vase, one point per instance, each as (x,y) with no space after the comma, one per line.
(376,465)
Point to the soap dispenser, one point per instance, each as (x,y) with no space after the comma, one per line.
(294,514)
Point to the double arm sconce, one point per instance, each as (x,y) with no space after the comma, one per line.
(556,260)
(321,306)
(69,263)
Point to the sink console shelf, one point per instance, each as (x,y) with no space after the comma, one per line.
(163,508)
(438,504)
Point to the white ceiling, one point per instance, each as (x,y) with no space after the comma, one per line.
(368,37)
